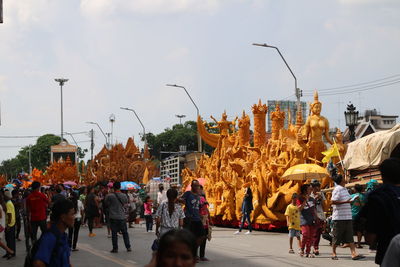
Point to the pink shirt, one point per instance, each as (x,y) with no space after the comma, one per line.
(147,208)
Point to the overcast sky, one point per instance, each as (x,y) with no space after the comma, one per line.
(122,53)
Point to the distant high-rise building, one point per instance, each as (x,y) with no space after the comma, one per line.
(289,107)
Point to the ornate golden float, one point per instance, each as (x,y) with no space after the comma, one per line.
(236,164)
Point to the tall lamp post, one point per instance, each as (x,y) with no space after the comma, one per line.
(144,129)
(351,116)
(180,117)
(199,145)
(298,92)
(101,130)
(61,82)
(112,120)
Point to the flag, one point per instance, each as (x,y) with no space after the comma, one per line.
(145,179)
(333,151)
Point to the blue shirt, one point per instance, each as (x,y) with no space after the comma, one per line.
(192,206)
(47,244)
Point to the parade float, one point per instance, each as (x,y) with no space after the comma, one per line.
(121,164)
(239,161)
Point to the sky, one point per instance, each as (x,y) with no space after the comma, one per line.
(121,53)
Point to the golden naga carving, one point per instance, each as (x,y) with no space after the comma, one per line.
(235,164)
(120,164)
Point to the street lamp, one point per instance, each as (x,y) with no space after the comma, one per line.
(112,120)
(298,92)
(144,129)
(351,116)
(199,145)
(62,81)
(101,130)
(180,118)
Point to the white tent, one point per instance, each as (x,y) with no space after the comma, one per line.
(371,150)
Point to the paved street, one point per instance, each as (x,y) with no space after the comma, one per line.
(225,249)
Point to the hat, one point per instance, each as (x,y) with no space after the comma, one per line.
(7,193)
(315,182)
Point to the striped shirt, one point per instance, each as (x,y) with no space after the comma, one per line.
(341,211)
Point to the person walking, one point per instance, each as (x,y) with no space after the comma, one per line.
(10,224)
(53,249)
(161,195)
(192,221)
(320,199)
(148,214)
(16,199)
(247,208)
(358,201)
(36,205)
(169,214)
(292,214)
(3,225)
(91,210)
(342,219)
(383,209)
(116,203)
(205,220)
(73,232)
(306,205)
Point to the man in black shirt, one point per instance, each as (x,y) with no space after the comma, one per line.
(382,209)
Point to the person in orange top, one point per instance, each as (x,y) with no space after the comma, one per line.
(37,204)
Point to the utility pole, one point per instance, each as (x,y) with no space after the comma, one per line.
(61,82)
(30,162)
(91,133)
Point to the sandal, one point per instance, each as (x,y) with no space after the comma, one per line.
(291,251)
(316,252)
(335,258)
(301,253)
(358,257)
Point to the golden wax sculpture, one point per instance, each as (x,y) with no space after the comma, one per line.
(235,164)
(120,164)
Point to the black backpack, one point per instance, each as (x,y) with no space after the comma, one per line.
(33,250)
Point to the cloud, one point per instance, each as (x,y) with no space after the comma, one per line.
(3,87)
(26,11)
(96,8)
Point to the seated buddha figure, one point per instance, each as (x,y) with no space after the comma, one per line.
(316,127)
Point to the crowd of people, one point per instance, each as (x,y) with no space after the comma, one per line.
(183,223)
(60,211)
(372,212)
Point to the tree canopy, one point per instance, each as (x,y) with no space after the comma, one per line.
(171,138)
(40,156)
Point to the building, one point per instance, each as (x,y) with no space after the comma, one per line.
(290,108)
(372,122)
(173,165)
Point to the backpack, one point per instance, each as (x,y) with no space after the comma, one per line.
(35,246)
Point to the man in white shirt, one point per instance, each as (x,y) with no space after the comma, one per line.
(342,219)
(162,195)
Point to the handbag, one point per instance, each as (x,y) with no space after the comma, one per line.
(209,234)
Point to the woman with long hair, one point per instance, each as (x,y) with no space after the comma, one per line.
(169,214)
(91,209)
(306,205)
(3,225)
(247,208)
(73,232)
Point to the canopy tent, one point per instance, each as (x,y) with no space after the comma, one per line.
(371,150)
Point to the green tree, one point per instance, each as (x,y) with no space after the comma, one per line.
(171,138)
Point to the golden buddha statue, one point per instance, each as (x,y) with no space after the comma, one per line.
(316,127)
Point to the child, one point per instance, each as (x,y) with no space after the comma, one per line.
(292,214)
(148,207)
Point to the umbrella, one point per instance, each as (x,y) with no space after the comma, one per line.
(304,172)
(10,186)
(70,183)
(129,185)
(202,182)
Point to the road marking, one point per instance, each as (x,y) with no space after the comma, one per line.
(101,254)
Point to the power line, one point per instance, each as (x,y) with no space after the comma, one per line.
(354,90)
(370,83)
